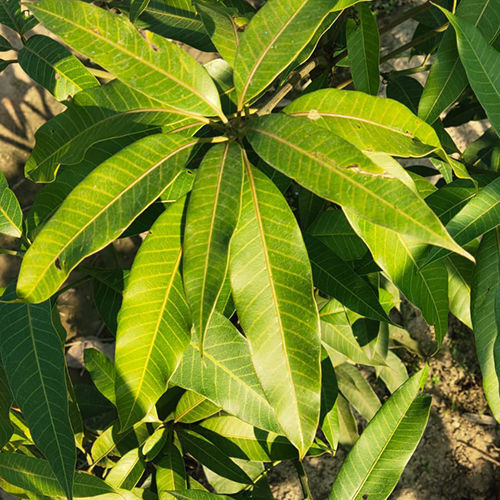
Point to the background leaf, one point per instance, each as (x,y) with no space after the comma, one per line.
(102,371)
(11,217)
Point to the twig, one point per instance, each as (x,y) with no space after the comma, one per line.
(485,455)
(304,482)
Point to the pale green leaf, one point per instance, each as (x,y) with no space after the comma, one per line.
(485,316)
(127,471)
(272,288)
(375,463)
(154,66)
(197,495)
(11,217)
(211,218)
(154,321)
(32,356)
(91,217)
(102,371)
(394,375)
(459,287)
(370,123)
(274,37)
(482,65)
(348,427)
(363,47)
(447,78)
(54,67)
(335,170)
(225,375)
(193,407)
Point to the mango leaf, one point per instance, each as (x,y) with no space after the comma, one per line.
(11,217)
(394,375)
(402,260)
(477,217)
(363,47)
(102,371)
(156,67)
(225,375)
(127,471)
(370,123)
(113,111)
(274,37)
(335,170)
(4,44)
(171,472)
(348,427)
(212,216)
(152,164)
(485,316)
(271,281)
(447,78)
(35,475)
(154,321)
(33,360)
(14,17)
(178,20)
(482,65)
(224,22)
(378,458)
(336,278)
(197,495)
(137,7)
(6,428)
(193,407)
(459,287)
(484,152)
(54,67)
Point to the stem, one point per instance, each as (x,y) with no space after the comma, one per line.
(304,482)
(16,253)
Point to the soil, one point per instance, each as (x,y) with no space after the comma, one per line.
(459,455)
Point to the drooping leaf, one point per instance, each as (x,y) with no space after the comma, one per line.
(212,216)
(370,123)
(363,46)
(6,428)
(477,217)
(102,371)
(154,321)
(459,287)
(225,375)
(54,67)
(127,471)
(348,427)
(193,407)
(274,37)
(32,357)
(337,171)
(482,65)
(152,164)
(11,217)
(485,316)
(155,66)
(447,78)
(378,458)
(394,375)
(271,281)
(95,117)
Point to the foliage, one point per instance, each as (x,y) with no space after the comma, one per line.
(281,221)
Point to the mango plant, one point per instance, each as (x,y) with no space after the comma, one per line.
(281,221)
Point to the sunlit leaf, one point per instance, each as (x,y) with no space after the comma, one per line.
(11,217)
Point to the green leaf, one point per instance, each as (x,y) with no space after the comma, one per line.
(401,258)
(272,288)
(113,111)
(224,23)
(274,37)
(240,440)
(127,471)
(171,472)
(137,7)
(348,427)
(35,475)
(102,371)
(12,16)
(336,278)
(54,67)
(459,287)
(335,170)
(363,46)
(156,67)
(484,152)
(32,357)
(4,44)
(225,375)
(482,65)
(134,178)
(6,428)
(477,217)
(154,321)
(197,495)
(375,463)
(447,78)
(193,407)
(11,216)
(394,375)
(329,419)
(486,316)
(211,218)
(370,123)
